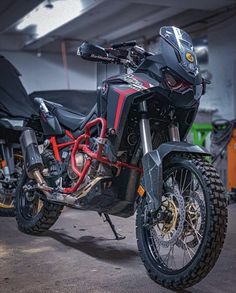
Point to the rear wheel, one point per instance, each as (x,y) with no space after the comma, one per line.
(181,249)
(34,215)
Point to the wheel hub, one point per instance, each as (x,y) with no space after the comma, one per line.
(170,216)
(167,231)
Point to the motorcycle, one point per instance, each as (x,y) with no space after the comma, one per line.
(15,115)
(130,154)
(11,162)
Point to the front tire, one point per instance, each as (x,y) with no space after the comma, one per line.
(198,231)
(34,215)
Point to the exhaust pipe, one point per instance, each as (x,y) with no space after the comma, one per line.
(32,158)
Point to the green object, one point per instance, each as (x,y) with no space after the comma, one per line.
(200,132)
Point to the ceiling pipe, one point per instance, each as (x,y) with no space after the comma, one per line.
(65,63)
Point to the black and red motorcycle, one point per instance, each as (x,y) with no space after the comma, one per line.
(130,154)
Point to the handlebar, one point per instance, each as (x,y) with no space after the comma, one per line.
(124,44)
(127,54)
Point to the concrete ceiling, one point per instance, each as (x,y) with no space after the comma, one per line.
(107,21)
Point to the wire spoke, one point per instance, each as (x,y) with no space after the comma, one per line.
(188,249)
(184,181)
(194,229)
(188,184)
(180,181)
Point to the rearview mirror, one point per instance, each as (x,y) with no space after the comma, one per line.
(92,52)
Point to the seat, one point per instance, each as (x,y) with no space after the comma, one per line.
(79,101)
(70,119)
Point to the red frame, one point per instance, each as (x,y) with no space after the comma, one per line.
(82,143)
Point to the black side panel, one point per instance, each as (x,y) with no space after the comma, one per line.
(51,125)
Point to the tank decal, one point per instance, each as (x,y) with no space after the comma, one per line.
(122,95)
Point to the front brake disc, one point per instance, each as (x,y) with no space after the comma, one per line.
(174,234)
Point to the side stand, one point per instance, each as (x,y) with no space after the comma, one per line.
(106,218)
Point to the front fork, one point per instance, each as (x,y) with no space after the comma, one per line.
(145,131)
(152,164)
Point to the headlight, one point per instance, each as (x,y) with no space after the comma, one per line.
(175,83)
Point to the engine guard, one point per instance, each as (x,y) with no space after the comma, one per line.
(153,170)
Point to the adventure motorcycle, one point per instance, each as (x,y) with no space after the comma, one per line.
(129,153)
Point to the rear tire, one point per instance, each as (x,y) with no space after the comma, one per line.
(213,230)
(45,217)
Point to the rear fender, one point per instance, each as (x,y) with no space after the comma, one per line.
(153,168)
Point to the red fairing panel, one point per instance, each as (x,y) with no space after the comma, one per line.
(122,95)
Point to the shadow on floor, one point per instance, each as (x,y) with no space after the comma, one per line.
(95,247)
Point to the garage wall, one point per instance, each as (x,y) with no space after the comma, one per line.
(221,93)
(105,71)
(47,72)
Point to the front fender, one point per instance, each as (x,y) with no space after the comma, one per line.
(153,170)
(181,147)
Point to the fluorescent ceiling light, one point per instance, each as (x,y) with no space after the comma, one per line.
(43,20)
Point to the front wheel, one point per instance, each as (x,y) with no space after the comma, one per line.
(180,249)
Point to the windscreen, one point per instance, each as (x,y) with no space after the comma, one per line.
(182,42)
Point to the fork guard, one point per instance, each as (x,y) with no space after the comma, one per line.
(153,169)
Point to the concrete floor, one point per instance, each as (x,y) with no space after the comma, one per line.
(79,255)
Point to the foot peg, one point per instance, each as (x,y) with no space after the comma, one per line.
(106,218)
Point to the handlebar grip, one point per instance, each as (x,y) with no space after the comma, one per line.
(125,44)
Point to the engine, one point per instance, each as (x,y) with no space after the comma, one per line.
(96,171)
(80,161)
